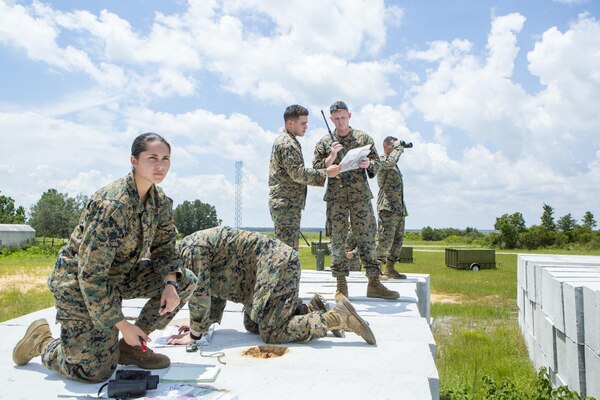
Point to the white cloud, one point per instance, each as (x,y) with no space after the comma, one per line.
(478,96)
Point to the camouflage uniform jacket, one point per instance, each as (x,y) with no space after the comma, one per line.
(231,264)
(389,179)
(287,175)
(351,186)
(114,232)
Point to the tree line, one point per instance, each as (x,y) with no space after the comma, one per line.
(512,232)
(549,233)
(57,214)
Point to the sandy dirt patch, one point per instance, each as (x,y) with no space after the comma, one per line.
(265,351)
(446,298)
(23,283)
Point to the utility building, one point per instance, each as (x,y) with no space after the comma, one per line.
(15,234)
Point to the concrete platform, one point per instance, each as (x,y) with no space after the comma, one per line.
(400,366)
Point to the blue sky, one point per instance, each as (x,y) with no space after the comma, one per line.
(500,98)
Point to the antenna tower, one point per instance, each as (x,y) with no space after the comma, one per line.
(239,165)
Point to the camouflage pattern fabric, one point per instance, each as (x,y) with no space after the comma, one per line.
(389,180)
(257,271)
(286,222)
(351,245)
(348,196)
(390,236)
(99,267)
(288,180)
(390,207)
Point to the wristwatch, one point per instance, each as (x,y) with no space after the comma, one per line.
(174,283)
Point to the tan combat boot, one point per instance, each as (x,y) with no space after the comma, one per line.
(36,338)
(376,289)
(318,303)
(391,273)
(344,316)
(342,286)
(133,355)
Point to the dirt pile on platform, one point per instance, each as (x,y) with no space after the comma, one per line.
(265,351)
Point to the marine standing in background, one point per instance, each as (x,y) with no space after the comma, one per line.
(390,207)
(263,274)
(100,266)
(349,197)
(288,177)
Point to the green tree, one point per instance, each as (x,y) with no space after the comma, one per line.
(8,213)
(588,220)
(55,214)
(510,227)
(548,218)
(190,217)
(566,223)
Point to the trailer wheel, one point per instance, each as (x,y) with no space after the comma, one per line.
(475,267)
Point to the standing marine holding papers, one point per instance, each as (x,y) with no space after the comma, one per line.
(348,197)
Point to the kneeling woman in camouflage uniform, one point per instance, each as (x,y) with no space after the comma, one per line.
(99,267)
(263,274)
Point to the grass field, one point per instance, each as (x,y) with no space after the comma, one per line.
(474,313)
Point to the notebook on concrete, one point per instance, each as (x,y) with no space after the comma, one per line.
(191,373)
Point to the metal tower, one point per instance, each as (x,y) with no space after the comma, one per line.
(239,165)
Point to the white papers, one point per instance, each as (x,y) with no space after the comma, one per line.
(354,157)
(186,391)
(171,330)
(193,373)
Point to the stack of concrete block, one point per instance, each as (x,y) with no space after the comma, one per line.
(559,314)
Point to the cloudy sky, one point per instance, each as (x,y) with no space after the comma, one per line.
(500,98)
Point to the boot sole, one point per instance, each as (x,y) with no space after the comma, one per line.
(126,360)
(322,307)
(399,276)
(367,333)
(376,296)
(32,328)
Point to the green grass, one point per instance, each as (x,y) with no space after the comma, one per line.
(14,303)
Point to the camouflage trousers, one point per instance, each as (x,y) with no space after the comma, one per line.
(390,236)
(88,354)
(276,319)
(362,219)
(286,222)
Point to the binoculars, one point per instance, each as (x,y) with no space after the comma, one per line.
(131,384)
(406,145)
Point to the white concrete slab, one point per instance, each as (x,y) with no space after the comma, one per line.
(401,366)
(573,300)
(526,274)
(592,373)
(591,310)
(542,281)
(559,302)
(552,291)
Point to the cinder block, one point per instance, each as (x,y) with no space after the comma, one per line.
(559,315)
(592,373)
(547,340)
(533,265)
(573,300)
(591,312)
(529,317)
(570,362)
(552,292)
